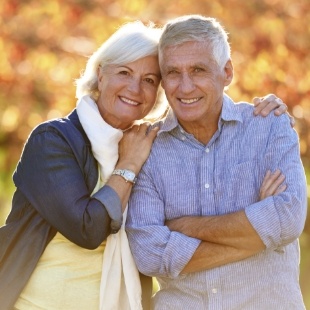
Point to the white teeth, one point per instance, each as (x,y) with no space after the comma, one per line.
(129,101)
(189,101)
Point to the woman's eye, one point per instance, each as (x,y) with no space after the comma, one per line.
(124,72)
(149,80)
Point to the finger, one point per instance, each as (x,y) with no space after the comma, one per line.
(270,183)
(269,179)
(280,189)
(270,97)
(292,121)
(153,133)
(143,128)
(145,124)
(261,106)
(270,106)
(256,100)
(133,128)
(267,104)
(266,178)
(275,185)
(281,109)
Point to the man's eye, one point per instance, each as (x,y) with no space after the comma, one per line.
(172,72)
(198,70)
(124,72)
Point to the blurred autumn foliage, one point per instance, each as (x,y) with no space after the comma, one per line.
(44,45)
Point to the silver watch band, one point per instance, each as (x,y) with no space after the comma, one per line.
(128,175)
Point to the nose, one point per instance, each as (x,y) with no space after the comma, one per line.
(134,85)
(187,84)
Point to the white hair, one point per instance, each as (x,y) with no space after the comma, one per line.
(129,43)
(197,28)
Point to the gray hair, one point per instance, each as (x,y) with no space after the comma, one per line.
(197,28)
(129,43)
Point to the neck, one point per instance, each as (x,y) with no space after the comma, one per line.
(202,133)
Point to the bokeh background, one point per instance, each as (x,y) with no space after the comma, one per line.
(44,46)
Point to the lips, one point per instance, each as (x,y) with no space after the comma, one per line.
(129,101)
(189,101)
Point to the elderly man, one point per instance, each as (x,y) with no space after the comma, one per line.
(201,217)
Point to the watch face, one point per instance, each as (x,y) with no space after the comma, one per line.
(130,176)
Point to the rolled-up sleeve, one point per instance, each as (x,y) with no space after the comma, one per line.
(157,250)
(280,219)
(109,198)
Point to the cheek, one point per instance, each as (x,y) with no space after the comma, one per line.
(170,86)
(151,96)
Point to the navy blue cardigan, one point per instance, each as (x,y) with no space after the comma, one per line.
(54,179)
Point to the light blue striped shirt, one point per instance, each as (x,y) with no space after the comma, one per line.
(184,177)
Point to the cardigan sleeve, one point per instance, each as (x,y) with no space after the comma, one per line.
(56,183)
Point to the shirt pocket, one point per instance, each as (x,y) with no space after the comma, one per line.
(243,184)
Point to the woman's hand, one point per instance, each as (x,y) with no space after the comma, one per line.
(264,106)
(272,184)
(135,147)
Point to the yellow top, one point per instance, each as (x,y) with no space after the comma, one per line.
(66,277)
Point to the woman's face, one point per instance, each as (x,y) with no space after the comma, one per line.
(128,92)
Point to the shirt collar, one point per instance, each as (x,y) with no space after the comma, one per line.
(229,113)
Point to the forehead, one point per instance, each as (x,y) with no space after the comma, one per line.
(144,65)
(186,53)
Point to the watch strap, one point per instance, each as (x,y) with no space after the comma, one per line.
(127,175)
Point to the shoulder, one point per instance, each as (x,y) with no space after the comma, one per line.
(67,128)
(247,112)
(61,125)
(245,109)
(59,138)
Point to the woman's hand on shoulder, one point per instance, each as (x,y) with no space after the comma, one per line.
(135,146)
(265,105)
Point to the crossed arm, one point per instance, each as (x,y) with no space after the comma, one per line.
(225,238)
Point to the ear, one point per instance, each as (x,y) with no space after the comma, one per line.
(229,72)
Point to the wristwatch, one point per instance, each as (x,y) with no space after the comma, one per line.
(128,175)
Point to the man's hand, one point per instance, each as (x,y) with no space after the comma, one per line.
(272,184)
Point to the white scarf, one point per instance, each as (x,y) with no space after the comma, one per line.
(120,287)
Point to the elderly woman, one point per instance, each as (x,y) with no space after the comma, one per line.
(75,175)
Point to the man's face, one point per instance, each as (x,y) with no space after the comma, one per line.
(194,82)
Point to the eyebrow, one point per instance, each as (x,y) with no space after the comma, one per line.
(150,73)
(157,75)
(199,64)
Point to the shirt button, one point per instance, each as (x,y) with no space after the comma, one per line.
(207,185)
(183,138)
(214,290)
(207,150)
